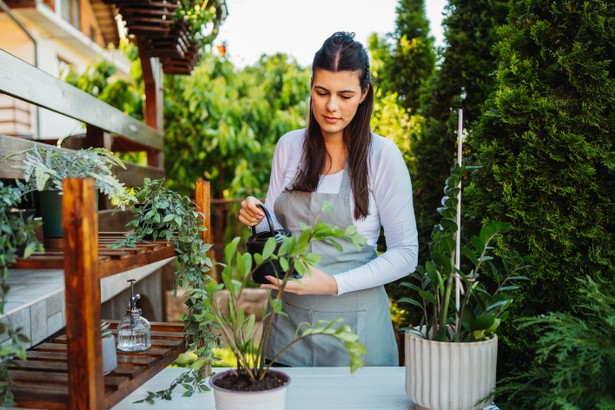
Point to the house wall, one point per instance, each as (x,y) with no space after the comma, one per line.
(58,45)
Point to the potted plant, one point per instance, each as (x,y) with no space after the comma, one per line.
(109,354)
(16,231)
(45,168)
(451,355)
(254,383)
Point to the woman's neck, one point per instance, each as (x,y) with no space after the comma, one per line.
(336,157)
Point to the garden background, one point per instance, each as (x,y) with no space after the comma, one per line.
(536,83)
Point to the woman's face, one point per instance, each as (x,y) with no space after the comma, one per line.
(335,99)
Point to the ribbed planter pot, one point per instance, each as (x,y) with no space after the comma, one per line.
(450,376)
(226,399)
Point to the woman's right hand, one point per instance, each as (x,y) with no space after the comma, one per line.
(250,214)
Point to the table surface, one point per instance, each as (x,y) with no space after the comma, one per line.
(311,388)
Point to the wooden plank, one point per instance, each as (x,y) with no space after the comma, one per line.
(154,368)
(47,368)
(110,261)
(132,176)
(28,83)
(82,284)
(47,397)
(49,356)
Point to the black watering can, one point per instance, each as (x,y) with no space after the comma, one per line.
(256,244)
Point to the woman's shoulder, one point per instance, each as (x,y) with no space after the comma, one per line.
(292,138)
(382,146)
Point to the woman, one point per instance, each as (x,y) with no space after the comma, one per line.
(363,175)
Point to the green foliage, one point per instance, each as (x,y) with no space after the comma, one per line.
(222,124)
(575,361)
(203,19)
(547,142)
(160,212)
(464,79)
(102,80)
(480,311)
(15,231)
(9,352)
(391,121)
(237,326)
(190,382)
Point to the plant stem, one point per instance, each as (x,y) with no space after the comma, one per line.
(447,293)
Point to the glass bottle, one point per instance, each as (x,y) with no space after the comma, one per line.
(133,331)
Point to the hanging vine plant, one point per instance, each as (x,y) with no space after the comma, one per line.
(203,19)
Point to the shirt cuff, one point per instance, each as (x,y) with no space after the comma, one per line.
(342,284)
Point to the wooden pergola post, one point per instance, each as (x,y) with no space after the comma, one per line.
(152,80)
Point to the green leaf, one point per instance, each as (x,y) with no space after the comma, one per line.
(269,248)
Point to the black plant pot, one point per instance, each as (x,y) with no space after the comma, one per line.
(51,212)
(50,203)
(256,244)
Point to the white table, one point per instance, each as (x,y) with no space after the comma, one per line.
(311,388)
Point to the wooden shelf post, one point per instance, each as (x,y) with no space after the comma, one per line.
(82,294)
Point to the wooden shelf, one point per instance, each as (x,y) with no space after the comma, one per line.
(110,261)
(42,379)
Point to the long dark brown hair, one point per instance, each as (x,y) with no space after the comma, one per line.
(341,52)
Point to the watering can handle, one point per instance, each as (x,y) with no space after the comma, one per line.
(261,206)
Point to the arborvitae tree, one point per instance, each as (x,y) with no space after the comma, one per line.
(464,79)
(547,143)
(412,58)
(402,63)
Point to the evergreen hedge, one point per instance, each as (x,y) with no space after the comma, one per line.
(546,140)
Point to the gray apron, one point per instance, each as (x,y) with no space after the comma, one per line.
(367,311)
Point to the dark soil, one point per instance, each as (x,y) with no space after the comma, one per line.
(241,382)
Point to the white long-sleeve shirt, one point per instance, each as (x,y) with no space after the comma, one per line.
(390,206)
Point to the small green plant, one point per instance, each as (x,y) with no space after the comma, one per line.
(45,168)
(574,365)
(432,285)
(237,326)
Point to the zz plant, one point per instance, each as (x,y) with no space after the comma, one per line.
(237,326)
(481,309)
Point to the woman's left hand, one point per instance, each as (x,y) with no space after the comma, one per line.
(318,283)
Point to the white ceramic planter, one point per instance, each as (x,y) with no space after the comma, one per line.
(109,354)
(450,376)
(258,400)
